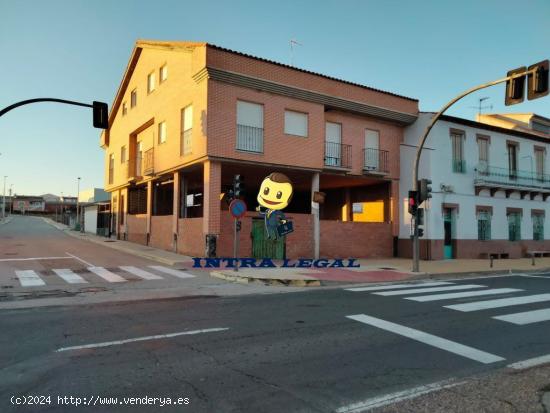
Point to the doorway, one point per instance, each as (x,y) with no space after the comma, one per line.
(263,247)
(448,226)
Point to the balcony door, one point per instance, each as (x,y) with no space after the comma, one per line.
(512,161)
(372,147)
(139,157)
(333,141)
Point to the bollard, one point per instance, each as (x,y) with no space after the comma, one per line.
(491,258)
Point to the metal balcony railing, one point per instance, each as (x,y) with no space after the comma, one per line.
(149,162)
(337,155)
(133,168)
(375,160)
(250,139)
(495,176)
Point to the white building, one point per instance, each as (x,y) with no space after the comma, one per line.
(490,189)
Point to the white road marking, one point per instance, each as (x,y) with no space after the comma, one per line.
(132,340)
(501,302)
(450,296)
(171,271)
(397,397)
(69,276)
(29,278)
(525,364)
(396,286)
(80,259)
(146,275)
(533,276)
(106,274)
(429,290)
(527,317)
(435,341)
(34,259)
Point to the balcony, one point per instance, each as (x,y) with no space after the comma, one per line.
(375,161)
(337,155)
(149,164)
(509,180)
(250,139)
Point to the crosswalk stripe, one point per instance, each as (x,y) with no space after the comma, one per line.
(146,275)
(69,276)
(527,317)
(429,290)
(501,302)
(450,296)
(29,278)
(435,341)
(171,271)
(106,274)
(397,286)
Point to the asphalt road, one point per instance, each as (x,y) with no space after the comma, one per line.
(278,353)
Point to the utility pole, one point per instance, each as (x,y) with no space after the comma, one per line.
(77,226)
(537,76)
(11,200)
(4,199)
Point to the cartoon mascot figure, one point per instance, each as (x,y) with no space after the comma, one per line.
(275,195)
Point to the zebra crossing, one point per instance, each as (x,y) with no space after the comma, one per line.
(448,291)
(32,278)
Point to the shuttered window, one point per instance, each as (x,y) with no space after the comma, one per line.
(186,138)
(296,123)
(457,142)
(250,127)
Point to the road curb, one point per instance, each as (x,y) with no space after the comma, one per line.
(5,221)
(243,279)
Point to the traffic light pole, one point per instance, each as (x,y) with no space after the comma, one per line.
(414,222)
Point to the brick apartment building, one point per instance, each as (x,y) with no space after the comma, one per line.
(189,116)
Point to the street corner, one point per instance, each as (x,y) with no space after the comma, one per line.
(360,275)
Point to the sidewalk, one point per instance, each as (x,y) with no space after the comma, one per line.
(370,270)
(143,251)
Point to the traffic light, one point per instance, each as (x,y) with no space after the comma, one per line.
(238,186)
(425,190)
(420,216)
(537,82)
(238,225)
(101,115)
(413,204)
(420,232)
(515,88)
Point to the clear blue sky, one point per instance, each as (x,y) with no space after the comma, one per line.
(78,50)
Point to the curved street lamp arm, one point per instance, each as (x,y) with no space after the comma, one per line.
(26,102)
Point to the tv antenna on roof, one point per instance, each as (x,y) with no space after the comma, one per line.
(480,106)
(293,42)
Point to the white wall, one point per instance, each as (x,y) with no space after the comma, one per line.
(90,219)
(436,165)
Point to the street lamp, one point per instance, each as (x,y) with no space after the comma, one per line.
(11,199)
(77,226)
(4,199)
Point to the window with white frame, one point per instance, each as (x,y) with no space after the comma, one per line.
(162,132)
(150,82)
(296,123)
(186,138)
(250,127)
(163,73)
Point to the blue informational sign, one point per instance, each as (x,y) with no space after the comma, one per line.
(237,208)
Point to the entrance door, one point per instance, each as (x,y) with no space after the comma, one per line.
(372,144)
(448,228)
(333,139)
(263,247)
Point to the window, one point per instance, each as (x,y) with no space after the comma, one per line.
(514,226)
(538,226)
(111,168)
(483,225)
(123,154)
(483,150)
(186,138)
(295,123)
(250,127)
(162,132)
(512,160)
(133,98)
(457,142)
(163,73)
(124,109)
(540,155)
(150,82)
